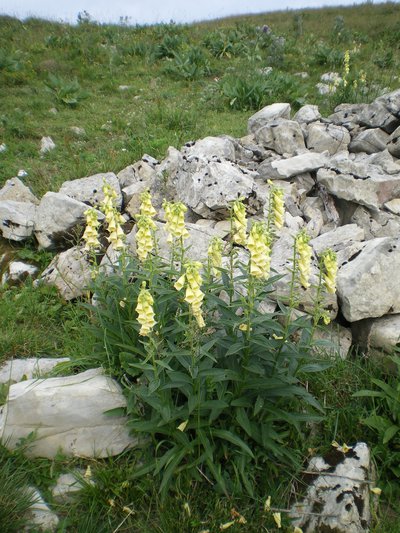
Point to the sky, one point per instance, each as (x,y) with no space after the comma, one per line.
(153,11)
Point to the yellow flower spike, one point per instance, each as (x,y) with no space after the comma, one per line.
(330,266)
(258,245)
(346,62)
(239,222)
(244,327)
(146,207)
(278,520)
(215,255)
(227,525)
(267,505)
(193,295)
(277,206)
(144,236)
(90,235)
(304,261)
(376,490)
(175,220)
(145,311)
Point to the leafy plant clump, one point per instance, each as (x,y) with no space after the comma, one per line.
(67,92)
(214,382)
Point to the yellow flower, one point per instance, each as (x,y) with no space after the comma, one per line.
(343,448)
(144,236)
(277,205)
(239,222)
(346,62)
(297,530)
(175,220)
(304,262)
(90,235)
(186,508)
(244,327)
(267,505)
(193,296)
(146,207)
(330,267)
(258,245)
(227,525)
(182,425)
(145,311)
(215,255)
(277,518)
(376,490)
(326,318)
(113,217)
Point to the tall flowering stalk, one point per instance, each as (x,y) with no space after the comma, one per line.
(330,267)
(114,218)
(258,244)
(304,253)
(145,236)
(346,67)
(146,207)
(215,255)
(239,222)
(91,234)
(175,220)
(145,311)
(194,295)
(277,205)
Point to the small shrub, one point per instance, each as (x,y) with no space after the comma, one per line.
(67,92)
(9,62)
(324,55)
(189,64)
(169,45)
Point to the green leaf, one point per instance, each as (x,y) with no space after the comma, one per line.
(117,411)
(243,420)
(232,438)
(390,433)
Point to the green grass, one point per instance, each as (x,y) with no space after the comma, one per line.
(174,96)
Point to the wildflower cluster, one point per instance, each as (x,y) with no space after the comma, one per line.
(114,218)
(175,220)
(193,296)
(258,244)
(91,234)
(304,253)
(145,311)
(239,222)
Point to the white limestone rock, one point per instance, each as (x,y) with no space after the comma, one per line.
(18,271)
(281,135)
(209,148)
(306,114)
(369,141)
(393,144)
(70,272)
(380,333)
(90,189)
(17,220)
(327,137)
(15,370)
(341,496)
(69,485)
(293,166)
(16,191)
(46,145)
(66,414)
(40,516)
(372,191)
(376,223)
(393,206)
(266,114)
(333,340)
(369,285)
(338,239)
(58,218)
(376,115)
(391,101)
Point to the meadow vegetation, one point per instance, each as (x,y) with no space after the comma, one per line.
(137,90)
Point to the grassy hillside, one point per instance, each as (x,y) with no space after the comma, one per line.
(183,82)
(136,90)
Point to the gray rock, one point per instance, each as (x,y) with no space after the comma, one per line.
(16,191)
(266,114)
(46,145)
(78,131)
(371,192)
(376,115)
(211,147)
(331,77)
(393,144)
(369,141)
(293,166)
(18,271)
(325,88)
(347,115)
(209,190)
(333,340)
(338,238)
(368,286)
(69,485)
(339,489)
(393,206)
(380,333)
(15,370)
(89,189)
(40,516)
(57,221)
(306,114)
(141,171)
(66,414)
(385,160)
(376,223)
(281,135)
(327,137)
(70,272)
(17,220)
(391,101)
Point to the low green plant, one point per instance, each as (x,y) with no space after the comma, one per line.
(67,92)
(189,64)
(385,422)
(9,62)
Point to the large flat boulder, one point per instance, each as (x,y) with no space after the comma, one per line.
(292,166)
(90,189)
(17,220)
(66,414)
(266,114)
